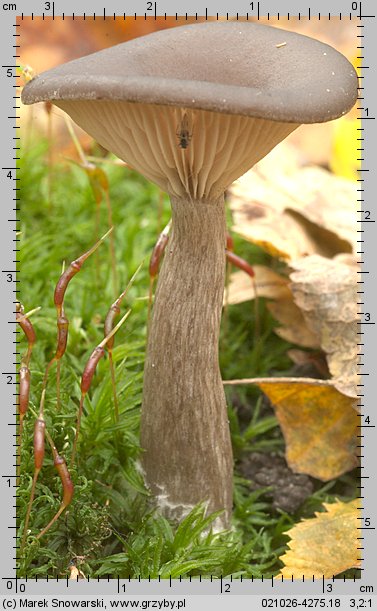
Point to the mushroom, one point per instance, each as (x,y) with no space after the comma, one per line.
(193,108)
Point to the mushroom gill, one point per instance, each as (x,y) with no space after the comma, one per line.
(185,151)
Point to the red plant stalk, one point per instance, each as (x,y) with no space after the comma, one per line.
(24,373)
(67,484)
(62,320)
(232,258)
(28,329)
(23,395)
(247,268)
(40,432)
(87,377)
(71,271)
(39,451)
(111,316)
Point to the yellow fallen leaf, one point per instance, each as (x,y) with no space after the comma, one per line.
(319,424)
(343,161)
(325,545)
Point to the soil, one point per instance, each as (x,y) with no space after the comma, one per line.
(288,490)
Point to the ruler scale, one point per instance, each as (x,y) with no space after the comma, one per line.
(267,588)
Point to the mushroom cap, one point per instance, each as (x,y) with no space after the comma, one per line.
(236,68)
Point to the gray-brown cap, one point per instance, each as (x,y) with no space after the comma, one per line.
(194,107)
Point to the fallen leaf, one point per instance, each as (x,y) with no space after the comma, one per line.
(75,573)
(273,286)
(319,424)
(318,310)
(294,328)
(325,291)
(267,283)
(295,214)
(326,545)
(343,161)
(303,358)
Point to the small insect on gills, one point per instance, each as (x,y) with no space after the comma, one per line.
(183,133)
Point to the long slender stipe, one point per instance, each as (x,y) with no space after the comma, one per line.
(111,316)
(39,451)
(87,376)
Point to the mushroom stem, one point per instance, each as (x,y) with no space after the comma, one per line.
(184,425)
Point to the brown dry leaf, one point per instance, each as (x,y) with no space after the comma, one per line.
(325,291)
(292,214)
(326,545)
(319,424)
(267,283)
(271,285)
(294,327)
(302,358)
